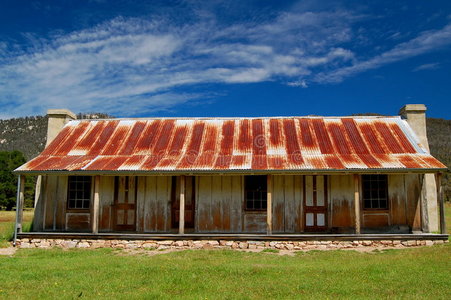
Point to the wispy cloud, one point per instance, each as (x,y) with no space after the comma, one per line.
(300,83)
(123,60)
(134,66)
(425,42)
(431,66)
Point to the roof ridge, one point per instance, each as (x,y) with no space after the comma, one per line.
(242,118)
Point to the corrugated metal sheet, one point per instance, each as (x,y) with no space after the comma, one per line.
(292,143)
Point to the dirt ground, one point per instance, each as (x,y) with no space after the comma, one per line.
(8,251)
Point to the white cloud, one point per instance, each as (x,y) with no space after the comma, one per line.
(124,60)
(136,66)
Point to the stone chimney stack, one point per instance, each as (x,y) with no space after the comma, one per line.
(415,115)
(57,119)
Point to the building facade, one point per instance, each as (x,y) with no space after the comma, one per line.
(281,176)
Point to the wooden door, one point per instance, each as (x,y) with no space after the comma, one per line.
(315,203)
(189,201)
(124,212)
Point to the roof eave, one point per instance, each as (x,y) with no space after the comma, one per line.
(232,172)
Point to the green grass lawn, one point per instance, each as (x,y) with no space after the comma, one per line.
(7,221)
(225,274)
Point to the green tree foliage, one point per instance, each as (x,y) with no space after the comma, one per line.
(8,181)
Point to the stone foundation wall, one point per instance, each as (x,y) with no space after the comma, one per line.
(219,244)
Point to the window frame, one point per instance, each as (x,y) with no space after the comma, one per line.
(69,190)
(263,201)
(370,178)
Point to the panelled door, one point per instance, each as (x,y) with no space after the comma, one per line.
(315,203)
(189,201)
(124,212)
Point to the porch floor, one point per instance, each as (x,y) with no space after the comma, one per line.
(231,236)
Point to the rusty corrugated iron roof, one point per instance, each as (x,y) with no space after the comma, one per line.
(240,144)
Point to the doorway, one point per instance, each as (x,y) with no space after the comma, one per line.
(124,208)
(315,203)
(190,196)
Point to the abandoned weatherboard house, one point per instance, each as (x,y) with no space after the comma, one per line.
(254,179)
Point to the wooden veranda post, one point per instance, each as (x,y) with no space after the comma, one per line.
(96,206)
(182,206)
(357,203)
(19,206)
(21,200)
(438,181)
(269,205)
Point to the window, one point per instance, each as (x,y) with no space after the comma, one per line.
(375,191)
(79,192)
(255,189)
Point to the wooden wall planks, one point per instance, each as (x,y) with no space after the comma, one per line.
(287,203)
(413,183)
(154,203)
(55,203)
(106,193)
(397,200)
(219,205)
(219,201)
(341,191)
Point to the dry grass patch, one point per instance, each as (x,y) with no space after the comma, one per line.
(7,221)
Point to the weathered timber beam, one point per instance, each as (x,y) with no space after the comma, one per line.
(182,206)
(19,206)
(21,201)
(438,180)
(357,203)
(269,205)
(96,206)
(424,216)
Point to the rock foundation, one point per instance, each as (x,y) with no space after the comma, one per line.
(220,244)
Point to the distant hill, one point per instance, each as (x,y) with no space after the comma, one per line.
(24,134)
(28,136)
(439,137)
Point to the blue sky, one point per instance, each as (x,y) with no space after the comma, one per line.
(224,58)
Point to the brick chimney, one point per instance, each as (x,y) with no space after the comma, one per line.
(415,115)
(57,119)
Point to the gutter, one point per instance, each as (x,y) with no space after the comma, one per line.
(232,172)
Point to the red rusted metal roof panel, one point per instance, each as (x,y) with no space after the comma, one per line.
(242,144)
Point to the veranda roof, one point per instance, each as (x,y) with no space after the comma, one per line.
(196,145)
